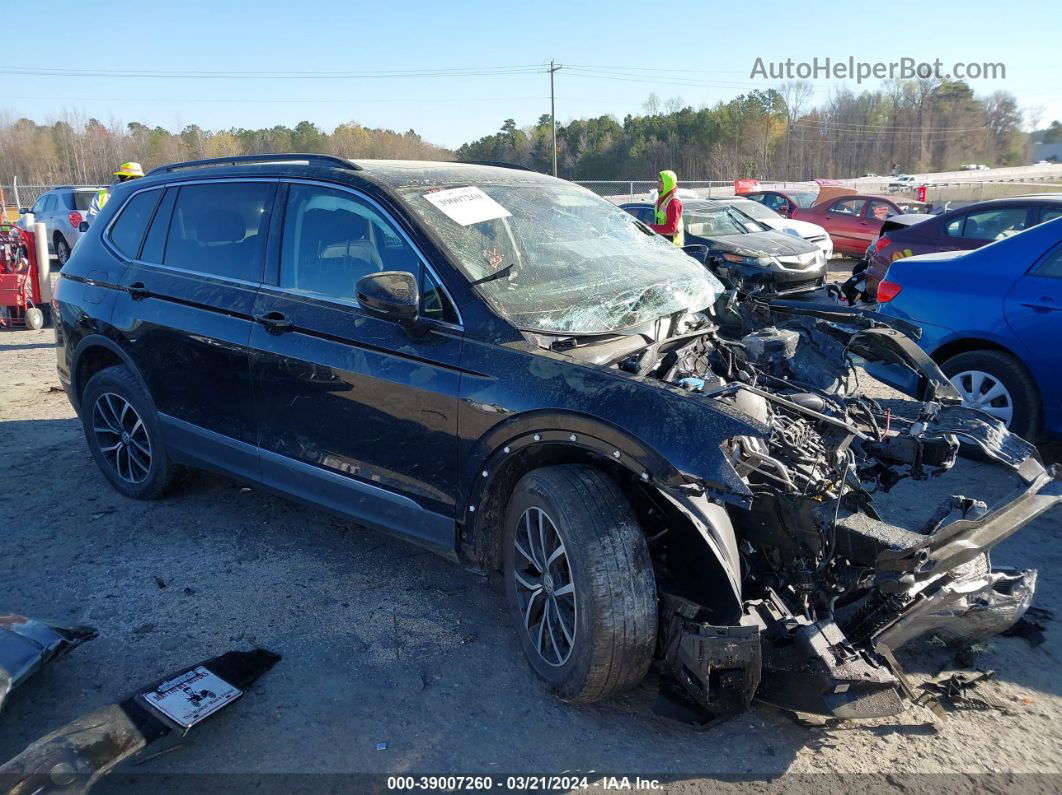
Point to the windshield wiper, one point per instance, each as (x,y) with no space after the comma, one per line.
(496,275)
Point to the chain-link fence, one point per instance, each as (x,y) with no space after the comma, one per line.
(625,190)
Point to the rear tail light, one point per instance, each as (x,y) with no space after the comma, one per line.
(75,219)
(880,243)
(887,291)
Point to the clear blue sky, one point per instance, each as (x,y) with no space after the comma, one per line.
(715,43)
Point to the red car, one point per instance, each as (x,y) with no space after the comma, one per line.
(853,221)
(963,229)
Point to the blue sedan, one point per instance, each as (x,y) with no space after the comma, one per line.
(992,320)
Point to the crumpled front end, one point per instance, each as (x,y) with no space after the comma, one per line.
(829,588)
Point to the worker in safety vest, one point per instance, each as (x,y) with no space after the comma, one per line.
(668,209)
(126,171)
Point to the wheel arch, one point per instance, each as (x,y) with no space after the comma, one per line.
(967,344)
(652,486)
(93,354)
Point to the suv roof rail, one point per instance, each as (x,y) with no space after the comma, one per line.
(236,160)
(495,163)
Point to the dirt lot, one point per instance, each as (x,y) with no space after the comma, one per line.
(386,644)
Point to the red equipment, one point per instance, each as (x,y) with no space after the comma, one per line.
(20,283)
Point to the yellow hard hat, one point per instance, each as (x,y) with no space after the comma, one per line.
(129,170)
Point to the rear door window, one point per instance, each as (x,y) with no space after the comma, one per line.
(220,229)
(989,224)
(1050,214)
(879,210)
(128,231)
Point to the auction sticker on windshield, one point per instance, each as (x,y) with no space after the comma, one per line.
(191,696)
(467,206)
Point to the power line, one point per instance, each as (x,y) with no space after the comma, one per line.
(286,75)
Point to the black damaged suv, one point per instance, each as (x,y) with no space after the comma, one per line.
(506,369)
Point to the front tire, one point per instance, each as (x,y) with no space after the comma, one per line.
(124,435)
(998,384)
(580,583)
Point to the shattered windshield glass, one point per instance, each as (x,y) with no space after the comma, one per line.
(555,257)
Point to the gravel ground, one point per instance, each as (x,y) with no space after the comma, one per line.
(385,643)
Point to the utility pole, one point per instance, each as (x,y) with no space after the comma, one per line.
(553,114)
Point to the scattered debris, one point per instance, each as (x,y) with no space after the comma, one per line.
(956,692)
(381,746)
(26,644)
(73,758)
(161,583)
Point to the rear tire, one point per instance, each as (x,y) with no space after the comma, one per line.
(976,373)
(587,618)
(124,435)
(62,250)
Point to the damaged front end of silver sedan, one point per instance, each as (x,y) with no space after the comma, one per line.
(820,589)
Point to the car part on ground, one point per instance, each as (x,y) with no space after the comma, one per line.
(73,758)
(26,644)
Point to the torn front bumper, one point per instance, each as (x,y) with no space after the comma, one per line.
(943,584)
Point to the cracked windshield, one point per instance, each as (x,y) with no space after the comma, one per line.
(557,258)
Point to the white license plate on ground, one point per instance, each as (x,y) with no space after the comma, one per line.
(192,696)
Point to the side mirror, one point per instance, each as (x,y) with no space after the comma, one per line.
(698,251)
(23,210)
(390,295)
(83,226)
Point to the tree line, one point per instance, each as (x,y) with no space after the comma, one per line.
(911,126)
(86,151)
(778,133)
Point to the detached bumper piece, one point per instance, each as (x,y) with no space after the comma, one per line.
(72,759)
(717,667)
(26,644)
(812,667)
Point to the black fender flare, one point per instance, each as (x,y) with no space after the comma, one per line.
(583,433)
(97,340)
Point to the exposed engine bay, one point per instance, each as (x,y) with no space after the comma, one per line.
(827,589)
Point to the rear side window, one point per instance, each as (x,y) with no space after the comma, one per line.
(988,224)
(1052,266)
(155,244)
(80,200)
(128,230)
(880,210)
(220,229)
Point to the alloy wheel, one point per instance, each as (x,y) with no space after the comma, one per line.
(545,591)
(122,437)
(985,392)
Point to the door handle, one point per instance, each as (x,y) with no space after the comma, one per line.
(1044,303)
(275,322)
(138,291)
